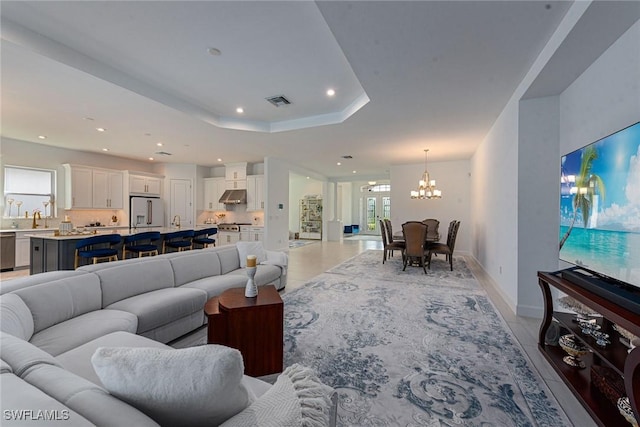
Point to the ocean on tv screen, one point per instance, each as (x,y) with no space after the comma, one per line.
(600,206)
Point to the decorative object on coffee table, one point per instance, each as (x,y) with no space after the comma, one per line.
(575,349)
(251,290)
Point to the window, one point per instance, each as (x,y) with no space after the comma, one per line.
(28,190)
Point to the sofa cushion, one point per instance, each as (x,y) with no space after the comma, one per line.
(157,308)
(21,355)
(7,286)
(129,279)
(89,400)
(79,330)
(215,285)
(27,405)
(59,300)
(265,274)
(194,265)
(15,316)
(195,386)
(229,258)
(297,398)
(250,248)
(78,360)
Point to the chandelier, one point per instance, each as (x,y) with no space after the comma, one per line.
(426,186)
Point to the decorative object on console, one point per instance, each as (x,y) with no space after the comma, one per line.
(426,186)
(575,349)
(577,307)
(625,409)
(608,382)
(251,290)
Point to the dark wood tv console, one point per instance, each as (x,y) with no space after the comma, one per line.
(614,355)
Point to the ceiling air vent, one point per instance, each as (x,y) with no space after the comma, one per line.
(163,153)
(278,100)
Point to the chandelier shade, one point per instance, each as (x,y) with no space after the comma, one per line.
(426,186)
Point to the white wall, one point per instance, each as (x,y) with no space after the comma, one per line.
(453,179)
(515,224)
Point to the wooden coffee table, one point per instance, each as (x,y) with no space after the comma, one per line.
(252,325)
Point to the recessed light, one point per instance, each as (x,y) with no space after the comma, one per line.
(214,51)
(331,92)
(150,158)
(354,171)
(339,164)
(42,136)
(308,178)
(219,160)
(105,149)
(100,129)
(240,110)
(159,144)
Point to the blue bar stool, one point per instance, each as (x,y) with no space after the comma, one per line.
(97,248)
(201,237)
(179,240)
(141,244)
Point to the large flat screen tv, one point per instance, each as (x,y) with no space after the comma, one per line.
(600,206)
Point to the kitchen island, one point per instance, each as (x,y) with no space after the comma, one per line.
(50,252)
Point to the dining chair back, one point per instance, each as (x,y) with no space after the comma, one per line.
(178,240)
(445,248)
(388,247)
(97,248)
(201,237)
(433,235)
(415,234)
(141,244)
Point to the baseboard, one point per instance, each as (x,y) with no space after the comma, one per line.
(530,311)
(488,281)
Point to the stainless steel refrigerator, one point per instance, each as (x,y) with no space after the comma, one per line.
(146,212)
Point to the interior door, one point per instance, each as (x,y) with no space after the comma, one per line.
(375,208)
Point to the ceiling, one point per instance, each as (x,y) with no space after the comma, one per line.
(407,75)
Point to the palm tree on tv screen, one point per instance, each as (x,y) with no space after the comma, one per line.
(587,186)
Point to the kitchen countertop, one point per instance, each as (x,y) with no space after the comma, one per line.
(123,231)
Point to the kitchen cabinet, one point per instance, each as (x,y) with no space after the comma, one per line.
(23,250)
(213,189)
(250,233)
(92,188)
(108,192)
(235,176)
(255,193)
(228,238)
(78,187)
(145,185)
(311,218)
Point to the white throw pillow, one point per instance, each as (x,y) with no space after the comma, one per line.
(250,248)
(297,398)
(194,386)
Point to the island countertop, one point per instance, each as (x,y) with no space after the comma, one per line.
(97,231)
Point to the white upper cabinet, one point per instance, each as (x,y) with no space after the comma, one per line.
(235,176)
(255,193)
(213,189)
(108,189)
(78,186)
(145,185)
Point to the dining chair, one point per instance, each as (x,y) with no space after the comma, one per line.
(97,248)
(415,234)
(141,244)
(432,234)
(201,237)
(178,240)
(388,248)
(390,236)
(445,248)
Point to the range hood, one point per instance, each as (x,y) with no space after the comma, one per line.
(234,197)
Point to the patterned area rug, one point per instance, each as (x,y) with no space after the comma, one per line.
(299,243)
(409,349)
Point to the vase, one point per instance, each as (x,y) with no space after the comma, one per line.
(575,349)
(251,290)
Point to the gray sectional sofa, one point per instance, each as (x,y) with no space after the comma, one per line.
(52,323)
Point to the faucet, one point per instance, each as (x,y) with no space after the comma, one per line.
(176,221)
(36,215)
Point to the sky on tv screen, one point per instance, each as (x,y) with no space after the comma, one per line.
(610,242)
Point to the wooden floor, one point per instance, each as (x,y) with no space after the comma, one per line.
(310,260)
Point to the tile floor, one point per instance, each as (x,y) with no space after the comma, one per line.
(308,261)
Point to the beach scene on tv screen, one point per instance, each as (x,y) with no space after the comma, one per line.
(600,206)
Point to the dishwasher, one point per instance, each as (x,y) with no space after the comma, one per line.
(7,251)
